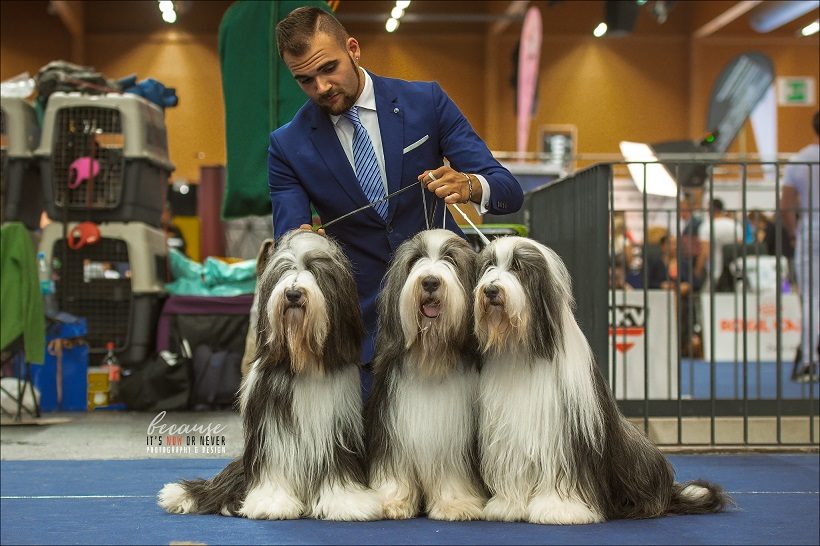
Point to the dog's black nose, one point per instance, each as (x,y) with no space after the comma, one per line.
(430,283)
(293,295)
(491,291)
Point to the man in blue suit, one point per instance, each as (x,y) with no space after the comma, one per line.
(361,137)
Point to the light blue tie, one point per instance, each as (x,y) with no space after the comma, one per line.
(367,167)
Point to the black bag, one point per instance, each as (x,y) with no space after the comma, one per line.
(162,383)
(201,368)
(216,378)
(68,77)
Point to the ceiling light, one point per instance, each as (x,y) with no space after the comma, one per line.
(166,5)
(391,25)
(600,30)
(775,14)
(402,4)
(810,29)
(169,16)
(396,13)
(657,181)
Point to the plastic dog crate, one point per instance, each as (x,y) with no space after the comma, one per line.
(116,284)
(21,193)
(104,158)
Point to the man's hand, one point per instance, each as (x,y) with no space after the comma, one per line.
(452,185)
(308,227)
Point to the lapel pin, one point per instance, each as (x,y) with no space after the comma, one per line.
(395,110)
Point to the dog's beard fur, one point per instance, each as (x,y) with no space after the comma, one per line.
(429,339)
(503,323)
(554,446)
(434,323)
(300,401)
(533,298)
(298,330)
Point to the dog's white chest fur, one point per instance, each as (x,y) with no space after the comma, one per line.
(322,408)
(520,421)
(434,417)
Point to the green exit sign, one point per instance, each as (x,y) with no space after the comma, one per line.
(796,91)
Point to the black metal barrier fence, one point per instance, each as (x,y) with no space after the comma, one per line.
(697,331)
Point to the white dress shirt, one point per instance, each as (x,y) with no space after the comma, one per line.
(370,121)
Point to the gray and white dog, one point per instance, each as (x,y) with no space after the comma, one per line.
(421,416)
(301,400)
(554,446)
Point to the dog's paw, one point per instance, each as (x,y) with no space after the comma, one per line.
(349,504)
(399,508)
(263,503)
(225,511)
(175,499)
(463,509)
(552,509)
(501,509)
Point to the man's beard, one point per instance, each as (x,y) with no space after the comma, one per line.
(347,100)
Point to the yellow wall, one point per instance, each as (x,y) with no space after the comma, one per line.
(651,86)
(29,38)
(611,90)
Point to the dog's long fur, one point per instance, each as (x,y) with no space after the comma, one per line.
(554,446)
(301,400)
(421,416)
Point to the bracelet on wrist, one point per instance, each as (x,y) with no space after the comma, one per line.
(469,188)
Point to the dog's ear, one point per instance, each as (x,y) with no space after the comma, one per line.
(265,251)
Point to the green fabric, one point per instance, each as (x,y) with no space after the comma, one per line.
(213,278)
(258,100)
(21,304)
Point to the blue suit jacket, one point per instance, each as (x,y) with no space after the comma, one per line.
(308,165)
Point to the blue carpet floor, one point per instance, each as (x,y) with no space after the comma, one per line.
(761,381)
(112,502)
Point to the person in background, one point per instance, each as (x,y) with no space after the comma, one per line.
(727,231)
(690,274)
(361,137)
(617,274)
(658,264)
(800,206)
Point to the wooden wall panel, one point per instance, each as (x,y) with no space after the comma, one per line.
(650,86)
(187,62)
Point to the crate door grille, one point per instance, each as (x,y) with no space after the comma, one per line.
(103,301)
(88,155)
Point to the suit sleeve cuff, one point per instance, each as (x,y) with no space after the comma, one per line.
(485,196)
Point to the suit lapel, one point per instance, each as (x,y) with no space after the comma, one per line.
(391,126)
(330,149)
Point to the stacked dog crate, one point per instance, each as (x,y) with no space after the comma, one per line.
(104,159)
(21,195)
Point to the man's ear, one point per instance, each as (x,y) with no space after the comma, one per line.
(353,48)
(265,251)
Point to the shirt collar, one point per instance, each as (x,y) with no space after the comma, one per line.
(367,99)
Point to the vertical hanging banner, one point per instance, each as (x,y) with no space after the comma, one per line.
(742,84)
(764,125)
(528,59)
